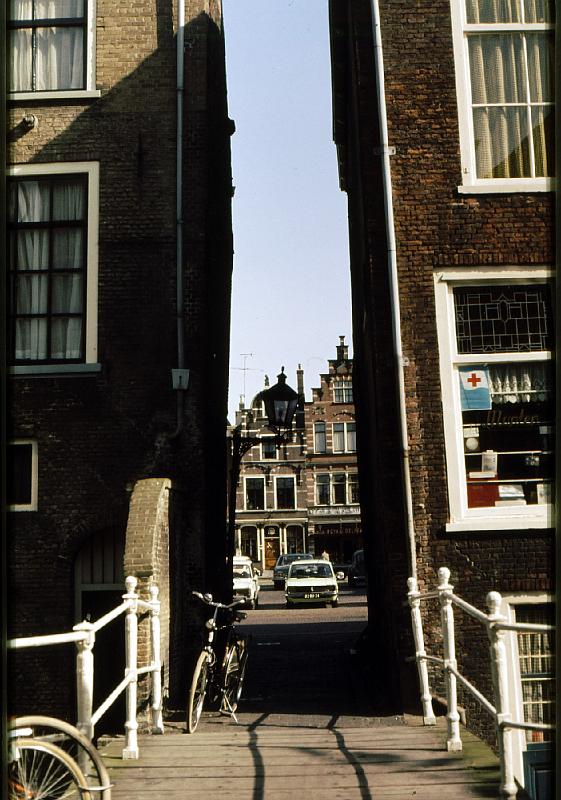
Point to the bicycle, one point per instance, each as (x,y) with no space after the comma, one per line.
(220,678)
(40,770)
(52,731)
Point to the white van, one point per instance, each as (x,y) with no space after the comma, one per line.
(246,579)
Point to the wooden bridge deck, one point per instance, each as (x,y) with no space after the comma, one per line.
(397,759)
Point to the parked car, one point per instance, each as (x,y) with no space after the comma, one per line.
(313,582)
(280,570)
(357,570)
(246,579)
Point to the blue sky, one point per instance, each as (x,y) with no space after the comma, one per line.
(291,286)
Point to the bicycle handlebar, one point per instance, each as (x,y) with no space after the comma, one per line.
(212,602)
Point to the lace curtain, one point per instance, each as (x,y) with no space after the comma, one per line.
(30,201)
(524,383)
(55,55)
(506,128)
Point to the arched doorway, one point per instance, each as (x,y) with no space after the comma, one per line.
(99,584)
(295,539)
(272,546)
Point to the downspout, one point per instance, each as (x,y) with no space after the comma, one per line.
(400,362)
(180,376)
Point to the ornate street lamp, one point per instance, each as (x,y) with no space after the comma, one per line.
(281,402)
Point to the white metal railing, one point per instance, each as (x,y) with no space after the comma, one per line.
(496,624)
(83,635)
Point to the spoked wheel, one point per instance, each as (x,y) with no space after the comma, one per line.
(197,692)
(75,744)
(42,771)
(233,679)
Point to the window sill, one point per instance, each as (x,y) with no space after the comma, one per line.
(497,186)
(39,97)
(541,522)
(38,370)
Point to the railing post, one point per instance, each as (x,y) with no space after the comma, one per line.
(131,651)
(157,719)
(445,590)
(85,679)
(420,653)
(499,674)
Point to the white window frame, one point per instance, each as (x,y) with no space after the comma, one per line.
(471,184)
(508,609)
(344,483)
(320,422)
(34,503)
(254,478)
(91,170)
(463,518)
(293,479)
(345,385)
(90,90)
(345,436)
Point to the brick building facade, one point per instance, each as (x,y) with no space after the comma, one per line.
(446,155)
(119,306)
(334,523)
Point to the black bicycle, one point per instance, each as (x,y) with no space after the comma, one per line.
(219,671)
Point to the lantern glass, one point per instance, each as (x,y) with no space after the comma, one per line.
(280,402)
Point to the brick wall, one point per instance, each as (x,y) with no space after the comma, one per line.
(100,434)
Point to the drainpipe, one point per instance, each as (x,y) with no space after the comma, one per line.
(180,376)
(400,361)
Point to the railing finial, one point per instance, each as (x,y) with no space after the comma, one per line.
(153,592)
(443,577)
(130,583)
(412,585)
(494,600)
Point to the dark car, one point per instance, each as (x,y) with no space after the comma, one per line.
(357,570)
(280,570)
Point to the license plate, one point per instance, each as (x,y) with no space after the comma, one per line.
(313,596)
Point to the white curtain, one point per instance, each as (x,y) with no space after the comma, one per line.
(500,65)
(520,383)
(59,50)
(36,276)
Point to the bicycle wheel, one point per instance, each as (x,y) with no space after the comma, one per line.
(197,692)
(234,671)
(74,743)
(42,771)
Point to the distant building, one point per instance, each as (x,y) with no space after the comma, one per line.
(303,496)
(271,494)
(334,521)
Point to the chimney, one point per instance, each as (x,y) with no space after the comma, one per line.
(300,380)
(342,350)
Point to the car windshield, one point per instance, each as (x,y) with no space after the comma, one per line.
(242,571)
(312,571)
(290,557)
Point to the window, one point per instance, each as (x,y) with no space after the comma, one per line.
(497,397)
(323,490)
(530,661)
(285,493)
(320,444)
(339,488)
(353,488)
(504,55)
(21,479)
(254,494)
(351,437)
(268,449)
(344,437)
(338,437)
(51,45)
(537,669)
(52,241)
(342,392)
